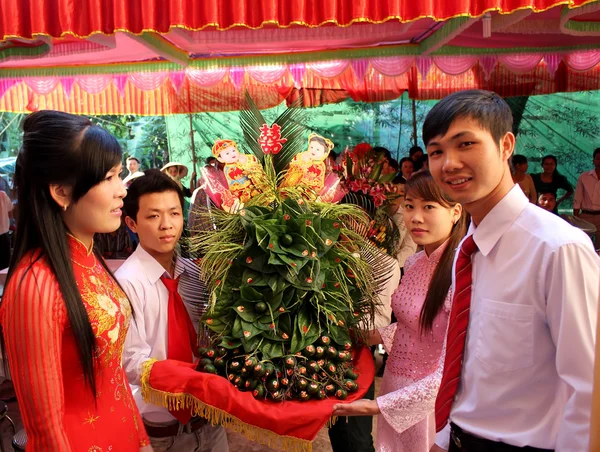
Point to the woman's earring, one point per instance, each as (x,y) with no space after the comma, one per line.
(64,208)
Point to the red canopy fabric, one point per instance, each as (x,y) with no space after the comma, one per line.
(56,18)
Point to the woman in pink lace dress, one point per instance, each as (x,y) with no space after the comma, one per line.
(416,341)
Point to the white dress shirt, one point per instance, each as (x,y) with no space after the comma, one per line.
(529,354)
(587,192)
(147,336)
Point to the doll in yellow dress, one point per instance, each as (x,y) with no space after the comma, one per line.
(308,168)
(239,169)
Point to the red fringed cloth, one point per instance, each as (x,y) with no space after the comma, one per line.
(288,425)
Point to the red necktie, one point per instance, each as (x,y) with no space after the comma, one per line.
(181,336)
(457,333)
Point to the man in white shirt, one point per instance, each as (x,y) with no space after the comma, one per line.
(154,211)
(586,203)
(525,381)
(133,165)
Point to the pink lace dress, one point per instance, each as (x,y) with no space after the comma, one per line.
(414,368)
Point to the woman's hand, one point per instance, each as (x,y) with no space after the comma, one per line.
(363,407)
(147,448)
(374,338)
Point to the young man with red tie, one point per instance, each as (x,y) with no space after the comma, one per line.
(162,288)
(518,369)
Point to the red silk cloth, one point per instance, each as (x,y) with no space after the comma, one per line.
(83,18)
(301,420)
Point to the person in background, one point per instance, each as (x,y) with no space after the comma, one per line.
(547,201)
(415,341)
(131,177)
(551,180)
(177,172)
(133,165)
(416,155)
(406,170)
(526,288)
(64,317)
(164,291)
(520,176)
(6,208)
(212,161)
(586,203)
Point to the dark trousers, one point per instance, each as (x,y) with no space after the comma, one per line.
(470,443)
(353,433)
(4,251)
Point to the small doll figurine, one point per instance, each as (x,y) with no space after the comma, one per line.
(239,169)
(308,168)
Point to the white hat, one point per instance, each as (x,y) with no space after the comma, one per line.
(131,177)
(182,169)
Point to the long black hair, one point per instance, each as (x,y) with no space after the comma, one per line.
(60,148)
(422,186)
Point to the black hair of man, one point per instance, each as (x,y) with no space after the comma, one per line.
(413,150)
(131,157)
(153,181)
(485,107)
(596,152)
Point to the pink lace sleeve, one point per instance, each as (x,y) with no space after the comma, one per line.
(407,406)
(387,336)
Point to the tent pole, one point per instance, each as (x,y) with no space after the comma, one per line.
(193,145)
(414,112)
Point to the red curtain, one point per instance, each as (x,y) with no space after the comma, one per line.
(27,18)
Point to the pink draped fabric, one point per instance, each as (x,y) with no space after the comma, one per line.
(328,69)
(455,65)
(520,63)
(552,61)
(120,80)
(177,79)
(42,85)
(237,75)
(583,61)
(207,77)
(392,66)
(94,84)
(423,66)
(297,71)
(147,81)
(266,74)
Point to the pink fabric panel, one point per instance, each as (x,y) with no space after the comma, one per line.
(67,85)
(488,63)
(6,84)
(208,77)
(521,63)
(360,68)
(455,65)
(392,66)
(423,65)
(266,74)
(552,61)
(297,71)
(583,61)
(328,69)
(236,75)
(177,79)
(120,80)
(94,84)
(147,81)
(42,85)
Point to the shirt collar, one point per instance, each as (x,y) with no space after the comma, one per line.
(498,220)
(153,269)
(593,174)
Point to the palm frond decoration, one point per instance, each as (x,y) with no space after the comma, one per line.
(292,122)
(251,120)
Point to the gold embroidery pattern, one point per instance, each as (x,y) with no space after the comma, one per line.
(91,419)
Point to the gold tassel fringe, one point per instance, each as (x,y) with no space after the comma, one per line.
(216,416)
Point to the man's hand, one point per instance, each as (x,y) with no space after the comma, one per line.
(437,448)
(363,407)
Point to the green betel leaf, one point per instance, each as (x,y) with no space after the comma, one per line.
(276,283)
(339,335)
(245,311)
(229,342)
(253,279)
(237,331)
(272,350)
(251,344)
(251,294)
(249,330)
